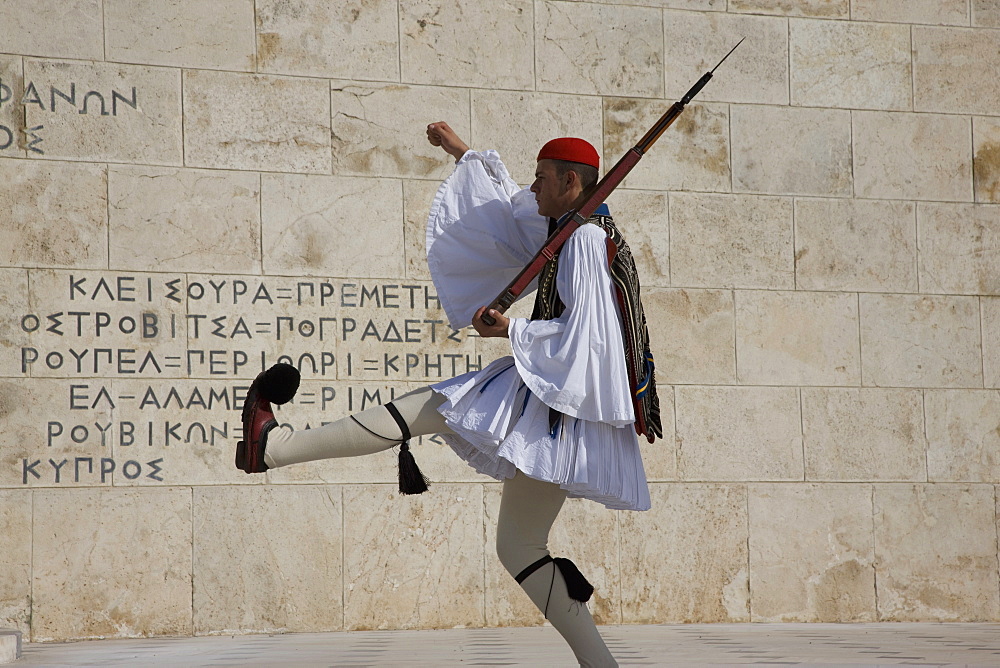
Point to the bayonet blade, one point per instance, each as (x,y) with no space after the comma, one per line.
(727,55)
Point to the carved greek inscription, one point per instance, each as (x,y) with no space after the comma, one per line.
(90,102)
(61,99)
(155,367)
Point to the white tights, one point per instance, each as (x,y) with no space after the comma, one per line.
(528,507)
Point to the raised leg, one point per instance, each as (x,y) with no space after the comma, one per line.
(364,433)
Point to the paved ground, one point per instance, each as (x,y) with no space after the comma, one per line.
(665,645)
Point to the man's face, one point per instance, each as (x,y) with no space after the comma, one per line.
(551,191)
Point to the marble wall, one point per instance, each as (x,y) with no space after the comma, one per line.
(191,191)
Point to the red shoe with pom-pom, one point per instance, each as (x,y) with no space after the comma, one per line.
(278,385)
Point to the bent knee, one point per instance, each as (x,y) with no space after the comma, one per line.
(515,556)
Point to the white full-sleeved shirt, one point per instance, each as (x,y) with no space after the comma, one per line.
(483,229)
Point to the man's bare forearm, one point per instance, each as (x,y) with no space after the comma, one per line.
(441,134)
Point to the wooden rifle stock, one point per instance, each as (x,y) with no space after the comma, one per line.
(594,197)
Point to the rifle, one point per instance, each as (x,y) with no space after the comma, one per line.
(593,198)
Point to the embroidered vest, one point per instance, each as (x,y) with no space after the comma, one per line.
(635,336)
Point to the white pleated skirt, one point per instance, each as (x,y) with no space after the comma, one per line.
(501,427)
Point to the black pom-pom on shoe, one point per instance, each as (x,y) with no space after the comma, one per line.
(279,383)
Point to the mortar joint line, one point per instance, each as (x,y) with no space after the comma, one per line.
(982,342)
(194,630)
(878,613)
(788,57)
(795,252)
(104,31)
(534,46)
(621,583)
(31,568)
(996,523)
(485,542)
(861,357)
(913,73)
(399,43)
(802,433)
(746,488)
(256,55)
(927,441)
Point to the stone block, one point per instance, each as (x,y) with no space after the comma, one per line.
(959,248)
(824,9)
(15,559)
(219,35)
(14,336)
(54,214)
(731,241)
(986,160)
(10,645)
(111,563)
(256,122)
(917,341)
(332,226)
(319,403)
(593,49)
(928,566)
(963,435)
(692,335)
(953,70)
(698,5)
(496,114)
(863,434)
(54,29)
(413,561)
(986,13)
(912,156)
(102,324)
(279,568)
(381,130)
(659,459)
(738,433)
(184,220)
(641,216)
(786,150)
(455,43)
(417,199)
(990,314)
(354,39)
(797,338)
(692,155)
(812,553)
(855,245)
(55,439)
(585,532)
(756,73)
(686,559)
(850,65)
(944,12)
(103,112)
(12,130)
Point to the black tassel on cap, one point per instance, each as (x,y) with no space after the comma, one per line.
(411,480)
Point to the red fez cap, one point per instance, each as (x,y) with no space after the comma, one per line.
(571,149)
